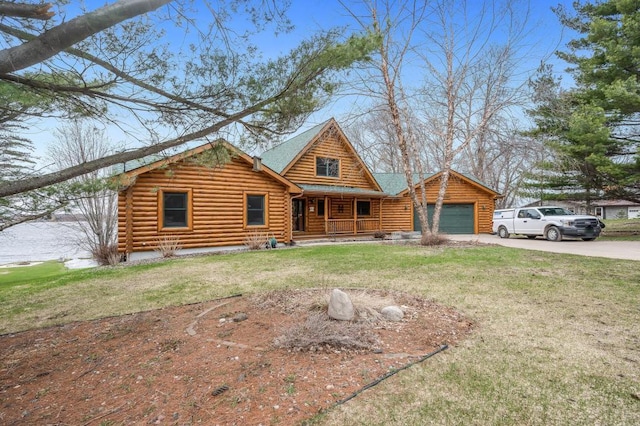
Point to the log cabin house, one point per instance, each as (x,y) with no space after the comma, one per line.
(312,186)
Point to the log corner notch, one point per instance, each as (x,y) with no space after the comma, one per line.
(31,11)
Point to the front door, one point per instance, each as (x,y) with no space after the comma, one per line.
(298,210)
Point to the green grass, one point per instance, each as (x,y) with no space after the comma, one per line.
(31,275)
(621,229)
(557,337)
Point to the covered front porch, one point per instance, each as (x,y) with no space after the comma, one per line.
(326,213)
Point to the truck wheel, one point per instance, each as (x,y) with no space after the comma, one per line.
(502,232)
(553,234)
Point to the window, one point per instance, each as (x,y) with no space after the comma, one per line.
(329,167)
(174,209)
(363,208)
(320,204)
(255,212)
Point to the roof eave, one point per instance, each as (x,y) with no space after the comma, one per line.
(292,187)
(458,175)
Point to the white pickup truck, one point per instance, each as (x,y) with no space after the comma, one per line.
(553,223)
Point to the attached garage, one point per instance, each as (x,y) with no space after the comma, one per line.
(454,219)
(467,209)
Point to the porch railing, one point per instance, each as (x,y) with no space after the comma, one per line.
(350,226)
(368,225)
(340,226)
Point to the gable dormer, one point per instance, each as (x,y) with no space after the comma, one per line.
(321,156)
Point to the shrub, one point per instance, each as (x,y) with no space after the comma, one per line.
(106,254)
(434,239)
(256,240)
(168,245)
(319,333)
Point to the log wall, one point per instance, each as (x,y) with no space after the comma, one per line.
(396,214)
(218,206)
(352,172)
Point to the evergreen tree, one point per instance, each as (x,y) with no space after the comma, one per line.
(594,129)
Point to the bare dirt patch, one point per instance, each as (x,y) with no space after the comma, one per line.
(210,363)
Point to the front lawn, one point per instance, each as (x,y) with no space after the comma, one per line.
(557,339)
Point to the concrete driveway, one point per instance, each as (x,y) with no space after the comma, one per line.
(629,250)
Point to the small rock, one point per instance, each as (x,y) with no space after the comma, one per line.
(340,306)
(241,316)
(392,313)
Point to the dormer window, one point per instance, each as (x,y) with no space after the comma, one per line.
(328,167)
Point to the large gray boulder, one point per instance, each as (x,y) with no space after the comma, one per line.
(340,306)
(392,313)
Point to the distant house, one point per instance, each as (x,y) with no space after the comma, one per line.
(576,207)
(313,185)
(616,209)
(605,209)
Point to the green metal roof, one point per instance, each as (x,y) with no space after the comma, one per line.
(395,183)
(134,164)
(347,190)
(279,157)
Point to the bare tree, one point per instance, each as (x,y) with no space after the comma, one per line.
(375,140)
(394,99)
(471,77)
(93,197)
(466,56)
(501,158)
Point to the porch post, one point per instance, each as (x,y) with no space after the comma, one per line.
(380,215)
(288,215)
(355,216)
(128,222)
(326,214)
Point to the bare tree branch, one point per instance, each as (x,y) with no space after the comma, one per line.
(109,67)
(68,33)
(31,217)
(29,11)
(90,166)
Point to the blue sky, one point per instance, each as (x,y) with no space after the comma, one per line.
(544,36)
